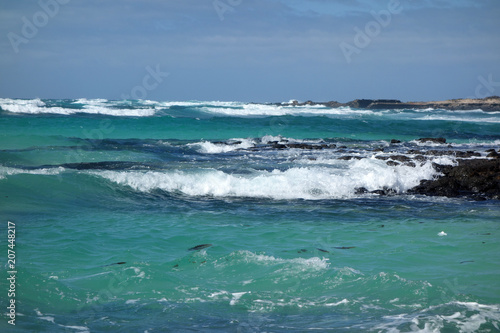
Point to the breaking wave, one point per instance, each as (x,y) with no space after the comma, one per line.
(295,183)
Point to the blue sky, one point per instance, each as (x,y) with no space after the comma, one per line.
(249,50)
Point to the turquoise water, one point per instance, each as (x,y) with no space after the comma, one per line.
(108,198)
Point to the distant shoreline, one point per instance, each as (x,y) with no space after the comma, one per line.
(486,104)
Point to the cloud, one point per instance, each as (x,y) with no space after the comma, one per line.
(105,45)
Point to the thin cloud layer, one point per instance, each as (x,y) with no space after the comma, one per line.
(250,51)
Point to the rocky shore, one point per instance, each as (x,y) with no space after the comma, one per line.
(476,175)
(477,178)
(486,104)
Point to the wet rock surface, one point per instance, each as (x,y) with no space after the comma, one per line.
(478,179)
(476,176)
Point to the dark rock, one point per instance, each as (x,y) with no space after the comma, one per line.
(278,146)
(360,190)
(284,145)
(485,104)
(433,140)
(392,163)
(333,104)
(442,168)
(438,152)
(376,104)
(478,178)
(360,103)
(400,158)
(199,247)
(106,165)
(116,263)
(395,141)
(385,191)
(493,154)
(348,158)
(467,154)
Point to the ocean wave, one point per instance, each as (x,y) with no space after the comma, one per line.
(461,118)
(234,144)
(96,106)
(8,171)
(311,183)
(466,317)
(148,108)
(299,264)
(266,110)
(207,147)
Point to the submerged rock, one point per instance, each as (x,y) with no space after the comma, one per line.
(199,247)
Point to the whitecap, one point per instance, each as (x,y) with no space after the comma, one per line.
(94,106)
(8,171)
(208,147)
(237,296)
(310,183)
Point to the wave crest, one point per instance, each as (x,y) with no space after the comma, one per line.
(309,183)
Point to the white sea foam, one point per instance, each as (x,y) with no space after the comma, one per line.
(146,108)
(468,317)
(167,104)
(294,183)
(80,329)
(95,106)
(132,301)
(462,118)
(208,147)
(279,110)
(236,297)
(105,107)
(294,265)
(7,171)
(344,301)
(96,101)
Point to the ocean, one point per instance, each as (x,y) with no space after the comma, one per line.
(148,216)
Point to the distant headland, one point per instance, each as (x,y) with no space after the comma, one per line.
(486,104)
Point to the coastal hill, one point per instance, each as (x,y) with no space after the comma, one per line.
(486,104)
